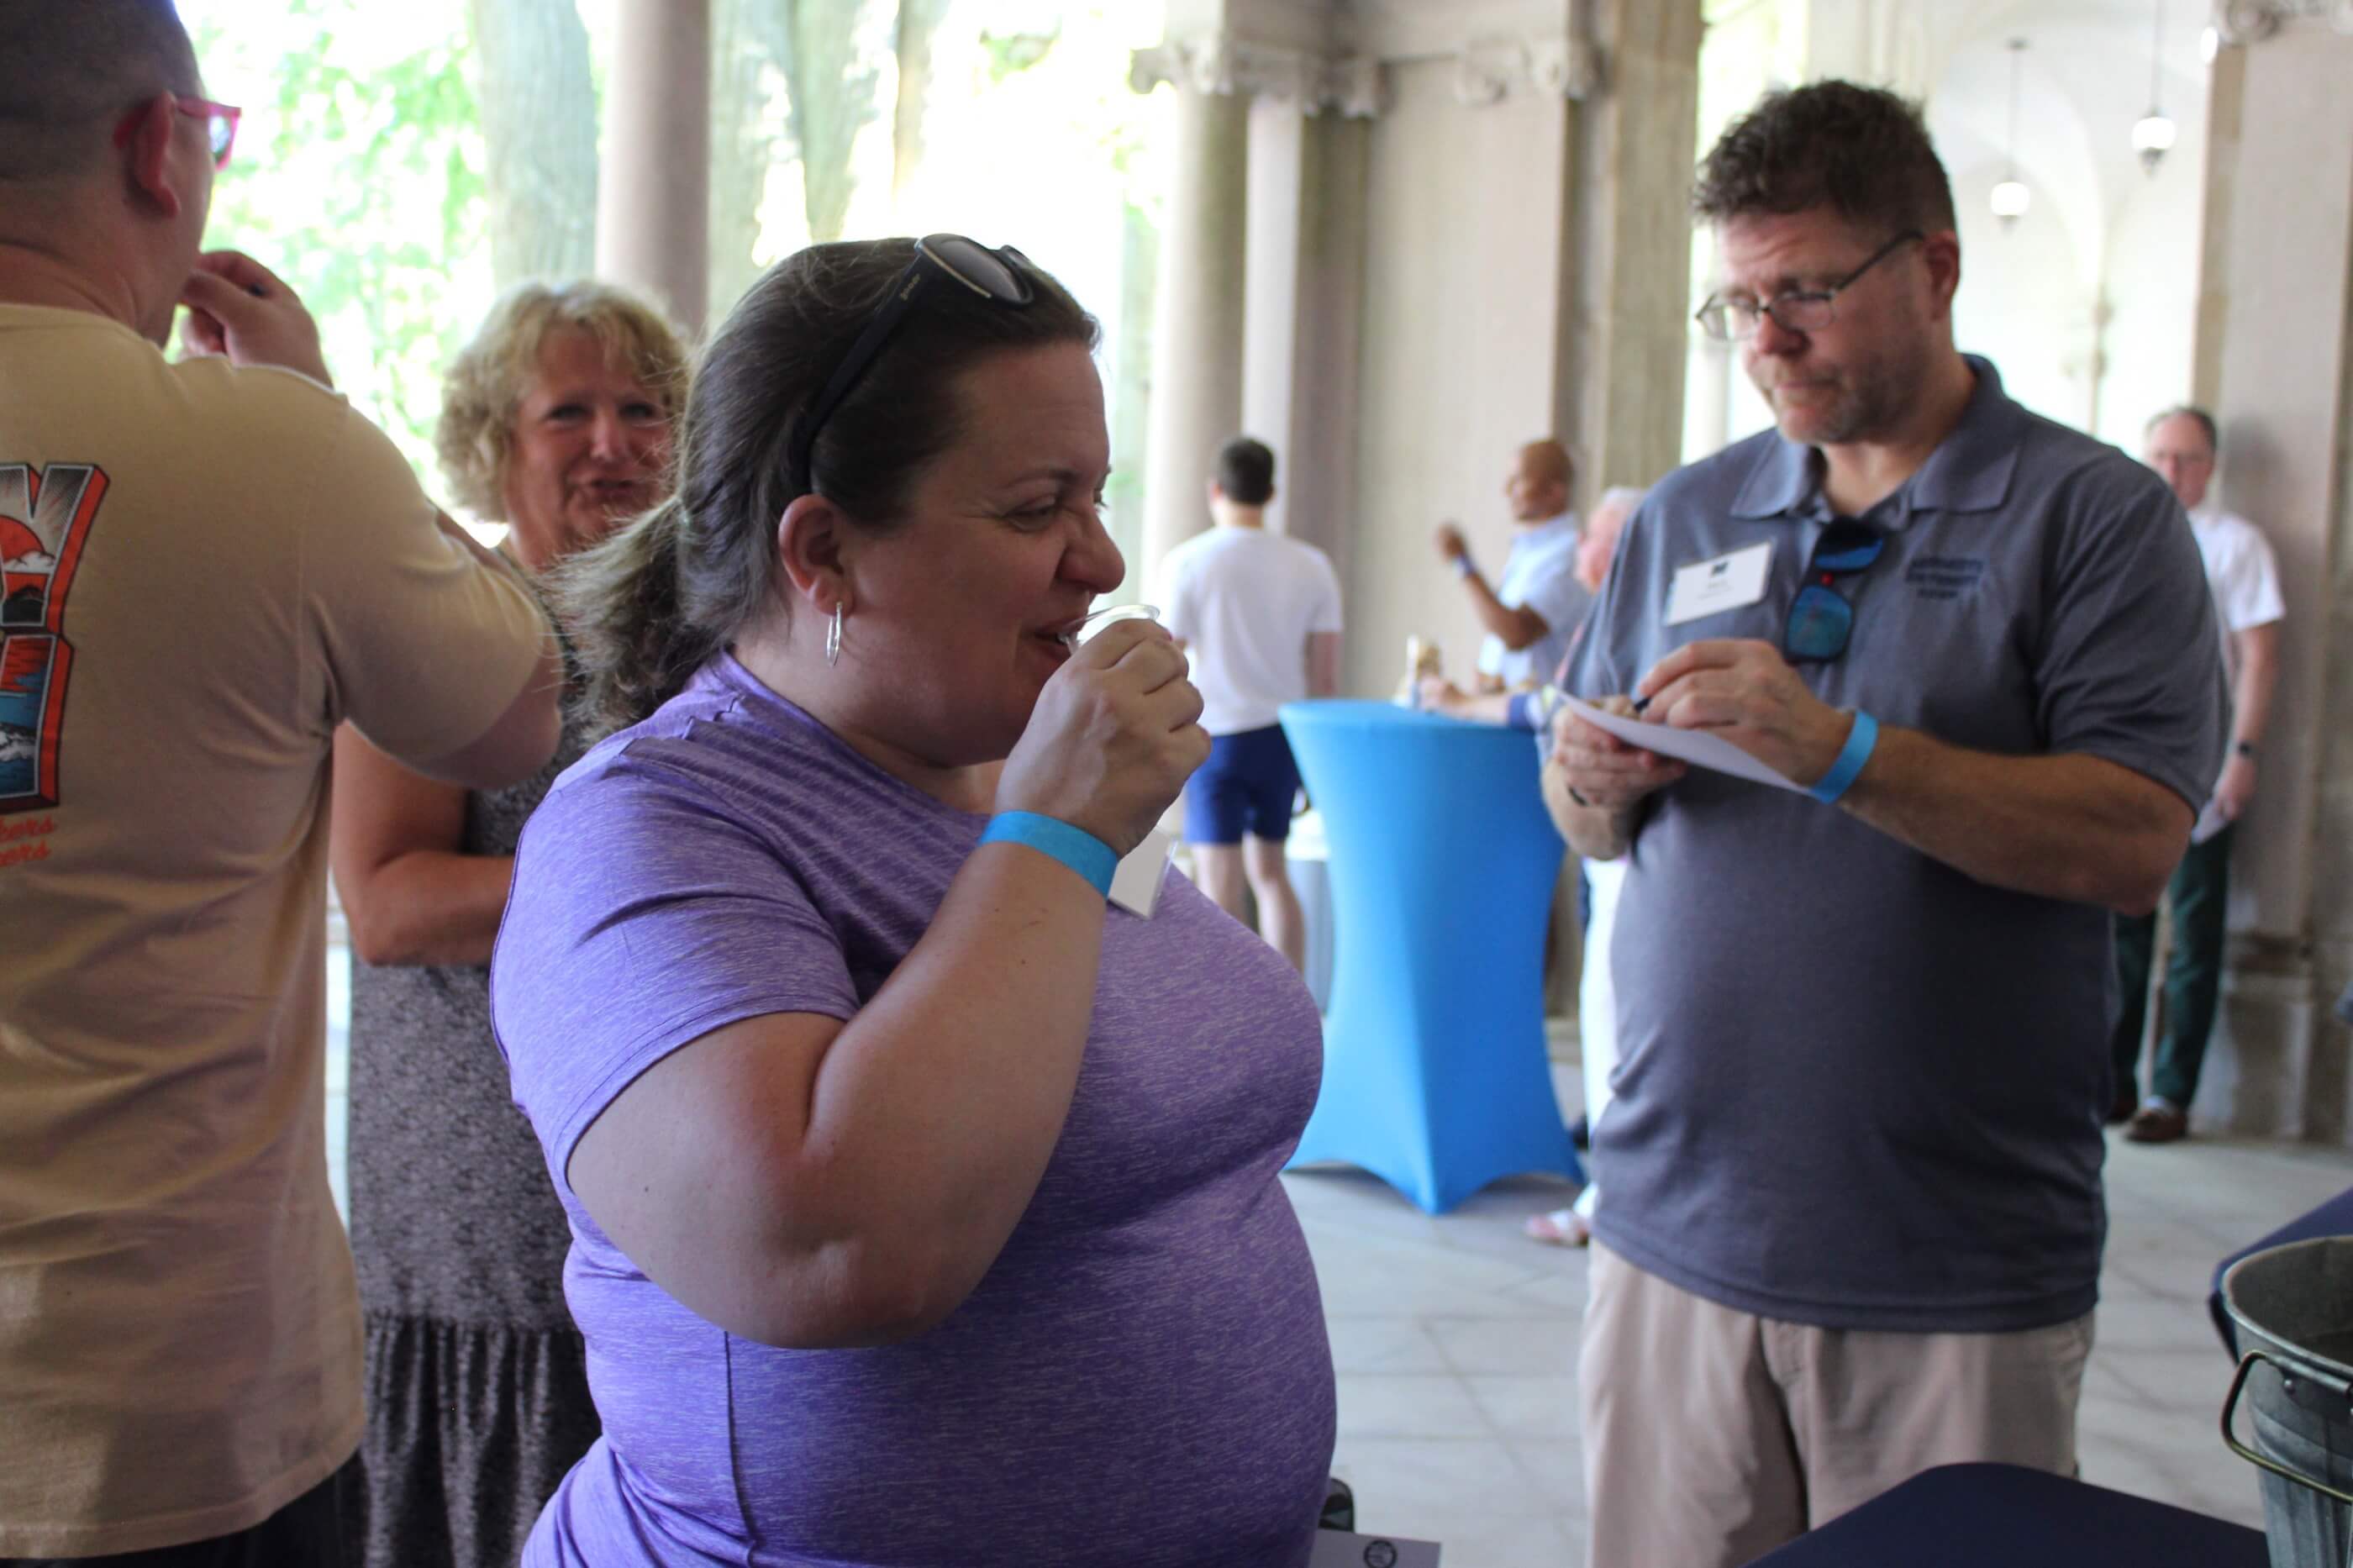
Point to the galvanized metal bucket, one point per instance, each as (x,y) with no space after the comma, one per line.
(2292,1306)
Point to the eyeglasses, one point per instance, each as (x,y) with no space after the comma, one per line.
(1822,618)
(220,124)
(1001,275)
(1797,310)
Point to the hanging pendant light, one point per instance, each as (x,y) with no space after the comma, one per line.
(2011,198)
(2153,133)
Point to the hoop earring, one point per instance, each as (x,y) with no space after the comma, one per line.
(833,637)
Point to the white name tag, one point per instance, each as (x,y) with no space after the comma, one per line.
(1337,1549)
(1727,583)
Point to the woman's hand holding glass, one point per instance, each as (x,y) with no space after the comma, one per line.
(1114,736)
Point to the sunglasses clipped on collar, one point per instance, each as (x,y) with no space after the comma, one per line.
(1001,275)
(1822,618)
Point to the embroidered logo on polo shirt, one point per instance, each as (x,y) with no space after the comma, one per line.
(1945,576)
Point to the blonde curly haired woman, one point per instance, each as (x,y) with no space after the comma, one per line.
(555,420)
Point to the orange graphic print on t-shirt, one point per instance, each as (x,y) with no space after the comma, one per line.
(45,519)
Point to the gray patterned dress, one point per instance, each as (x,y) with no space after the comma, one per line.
(476,1382)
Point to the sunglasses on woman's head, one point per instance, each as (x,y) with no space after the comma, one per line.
(1001,275)
(1822,620)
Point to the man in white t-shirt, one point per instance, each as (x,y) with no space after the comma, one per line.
(2245,576)
(208,566)
(1260,616)
(1530,614)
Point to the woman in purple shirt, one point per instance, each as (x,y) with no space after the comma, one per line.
(924,1209)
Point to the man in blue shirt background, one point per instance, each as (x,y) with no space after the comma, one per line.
(1533,609)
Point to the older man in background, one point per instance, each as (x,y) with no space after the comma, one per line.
(1589,563)
(210,565)
(2244,577)
(1530,613)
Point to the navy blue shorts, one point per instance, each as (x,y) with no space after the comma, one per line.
(1246,786)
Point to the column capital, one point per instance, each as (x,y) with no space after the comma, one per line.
(2242,22)
(1499,48)
(1225,66)
(1489,71)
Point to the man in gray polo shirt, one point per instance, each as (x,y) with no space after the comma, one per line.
(1853,1159)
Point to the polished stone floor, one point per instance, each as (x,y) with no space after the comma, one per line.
(1455,1339)
(1456,1344)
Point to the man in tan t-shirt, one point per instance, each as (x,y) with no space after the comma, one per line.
(204,569)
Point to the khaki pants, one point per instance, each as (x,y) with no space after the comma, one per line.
(1712,1435)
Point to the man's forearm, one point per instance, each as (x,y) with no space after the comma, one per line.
(2073,828)
(2258,677)
(1507,625)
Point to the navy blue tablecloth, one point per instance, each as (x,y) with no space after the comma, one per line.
(2003,1515)
(2334,1218)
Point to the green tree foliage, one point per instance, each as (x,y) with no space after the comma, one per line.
(400,163)
(833,98)
(918,25)
(539,127)
(364,191)
(750,134)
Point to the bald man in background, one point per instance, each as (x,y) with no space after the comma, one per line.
(1531,611)
(211,563)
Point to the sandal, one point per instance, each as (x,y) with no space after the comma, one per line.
(1561,1228)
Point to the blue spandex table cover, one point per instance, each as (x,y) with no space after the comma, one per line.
(2334,1218)
(1442,865)
(2002,1516)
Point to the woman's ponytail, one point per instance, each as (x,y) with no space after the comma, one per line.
(621,604)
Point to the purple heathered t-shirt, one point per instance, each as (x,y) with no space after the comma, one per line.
(1140,1378)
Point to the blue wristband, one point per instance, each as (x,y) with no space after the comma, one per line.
(1851,758)
(1074,846)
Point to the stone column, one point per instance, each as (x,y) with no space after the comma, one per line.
(654,204)
(2276,309)
(1197,340)
(1306,281)
(1883,43)
(1325,336)
(1277,191)
(1619,371)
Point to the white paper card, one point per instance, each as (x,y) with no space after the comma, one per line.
(1727,583)
(1135,885)
(1696,747)
(1338,1549)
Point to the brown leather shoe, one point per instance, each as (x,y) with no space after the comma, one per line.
(2157,1124)
(2121,1109)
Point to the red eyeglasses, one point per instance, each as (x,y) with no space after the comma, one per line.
(220,124)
